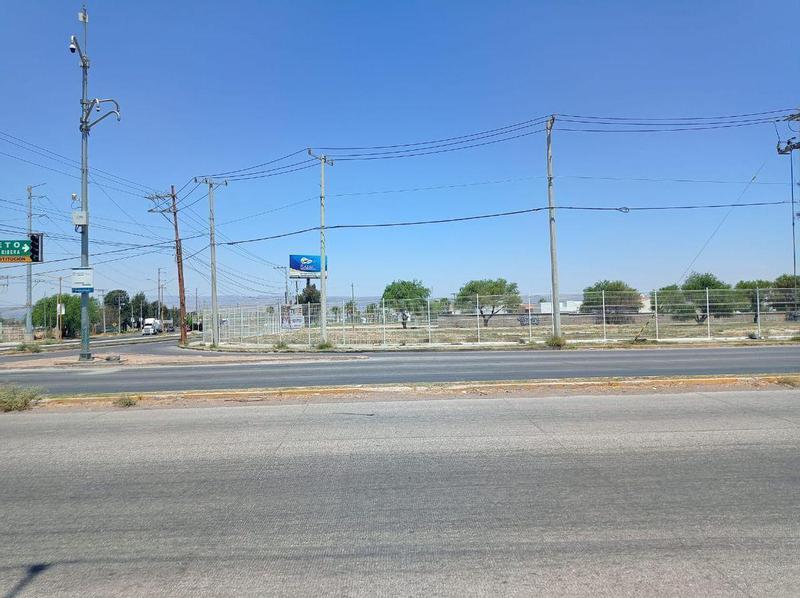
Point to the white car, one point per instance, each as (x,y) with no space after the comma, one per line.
(147,330)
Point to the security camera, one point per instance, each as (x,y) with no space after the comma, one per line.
(73,44)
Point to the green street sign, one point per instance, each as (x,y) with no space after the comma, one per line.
(18,250)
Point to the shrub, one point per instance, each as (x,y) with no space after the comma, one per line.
(324,346)
(281,346)
(29,347)
(126,401)
(18,398)
(556,342)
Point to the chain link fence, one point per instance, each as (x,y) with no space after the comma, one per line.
(624,316)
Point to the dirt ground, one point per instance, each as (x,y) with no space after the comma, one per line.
(425,392)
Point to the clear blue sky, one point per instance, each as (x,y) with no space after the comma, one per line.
(210,86)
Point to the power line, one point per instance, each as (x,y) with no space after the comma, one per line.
(621,209)
(267,163)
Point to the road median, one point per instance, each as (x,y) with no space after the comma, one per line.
(390,392)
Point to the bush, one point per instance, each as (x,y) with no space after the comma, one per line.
(126,401)
(18,398)
(324,346)
(29,347)
(790,381)
(281,346)
(556,342)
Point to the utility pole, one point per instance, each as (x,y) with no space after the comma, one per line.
(353,305)
(173,209)
(158,294)
(286,279)
(787,149)
(212,184)
(58,309)
(85,126)
(553,244)
(323,275)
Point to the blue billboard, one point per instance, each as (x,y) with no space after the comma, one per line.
(305,266)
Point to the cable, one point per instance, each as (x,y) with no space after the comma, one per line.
(727,117)
(519,125)
(721,222)
(621,209)
(267,163)
(428,153)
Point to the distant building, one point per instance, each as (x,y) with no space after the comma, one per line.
(567,307)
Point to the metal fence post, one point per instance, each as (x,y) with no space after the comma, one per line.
(605,338)
(530,317)
(758,311)
(478,315)
(280,323)
(708,316)
(383,318)
(655,306)
(429,320)
(344,325)
(308,317)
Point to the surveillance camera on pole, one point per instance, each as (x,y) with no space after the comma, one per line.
(86,126)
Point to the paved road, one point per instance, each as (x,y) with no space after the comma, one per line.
(682,495)
(383,368)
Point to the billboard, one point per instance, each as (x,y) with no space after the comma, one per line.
(305,266)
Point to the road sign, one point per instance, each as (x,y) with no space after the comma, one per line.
(83,280)
(17,251)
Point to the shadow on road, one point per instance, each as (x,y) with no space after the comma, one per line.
(30,575)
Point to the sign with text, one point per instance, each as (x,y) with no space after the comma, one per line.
(305,266)
(83,280)
(17,251)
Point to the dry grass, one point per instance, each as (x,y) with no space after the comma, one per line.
(18,398)
(126,401)
(790,381)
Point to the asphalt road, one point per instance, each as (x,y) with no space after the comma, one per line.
(675,495)
(403,367)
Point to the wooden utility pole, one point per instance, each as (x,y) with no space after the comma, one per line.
(179,259)
(173,209)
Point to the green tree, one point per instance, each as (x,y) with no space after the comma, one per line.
(139,306)
(371,311)
(309,294)
(493,296)
(44,313)
(112,298)
(406,297)
(620,298)
(690,301)
(351,311)
(748,295)
(784,298)
(440,306)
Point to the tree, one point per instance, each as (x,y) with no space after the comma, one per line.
(44,313)
(690,301)
(139,306)
(620,298)
(747,293)
(351,311)
(406,296)
(309,294)
(371,311)
(113,298)
(440,306)
(784,298)
(493,296)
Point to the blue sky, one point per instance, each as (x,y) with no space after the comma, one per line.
(208,87)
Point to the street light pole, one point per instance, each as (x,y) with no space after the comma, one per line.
(86,126)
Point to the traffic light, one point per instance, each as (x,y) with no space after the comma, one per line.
(37,248)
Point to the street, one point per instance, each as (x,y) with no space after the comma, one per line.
(682,495)
(400,367)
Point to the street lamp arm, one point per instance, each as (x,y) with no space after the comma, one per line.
(107,114)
